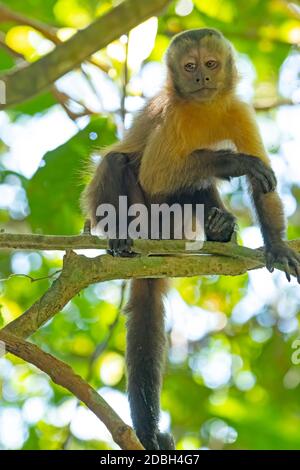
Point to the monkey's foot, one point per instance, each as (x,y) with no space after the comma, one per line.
(220,225)
(288,258)
(121,247)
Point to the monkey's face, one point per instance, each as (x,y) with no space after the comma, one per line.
(201,68)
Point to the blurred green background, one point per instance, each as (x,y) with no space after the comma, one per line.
(230,381)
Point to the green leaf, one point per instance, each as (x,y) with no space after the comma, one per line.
(54,192)
(38,104)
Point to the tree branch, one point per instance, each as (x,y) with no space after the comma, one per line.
(48,31)
(79,271)
(23,83)
(12,241)
(99,349)
(17,241)
(62,98)
(62,374)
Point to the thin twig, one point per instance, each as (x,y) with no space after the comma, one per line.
(103,345)
(125,83)
(32,279)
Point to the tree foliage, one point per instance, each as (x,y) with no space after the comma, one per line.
(230,381)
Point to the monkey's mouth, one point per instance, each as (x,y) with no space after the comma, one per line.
(203,89)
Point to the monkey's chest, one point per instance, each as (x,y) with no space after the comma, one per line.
(199,134)
(225,144)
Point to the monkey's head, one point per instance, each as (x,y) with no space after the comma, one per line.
(201,64)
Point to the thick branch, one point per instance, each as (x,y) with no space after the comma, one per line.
(26,82)
(62,374)
(80,271)
(17,241)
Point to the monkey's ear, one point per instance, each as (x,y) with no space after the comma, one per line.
(231,64)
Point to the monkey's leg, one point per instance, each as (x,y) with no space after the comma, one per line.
(220,224)
(114,178)
(271,218)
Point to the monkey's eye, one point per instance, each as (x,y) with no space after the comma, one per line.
(211,64)
(190,67)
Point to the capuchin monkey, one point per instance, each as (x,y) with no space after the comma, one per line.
(169,155)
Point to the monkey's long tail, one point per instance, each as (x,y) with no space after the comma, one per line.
(146,344)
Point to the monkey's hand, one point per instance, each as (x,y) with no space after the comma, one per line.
(220,225)
(261,176)
(121,247)
(280,253)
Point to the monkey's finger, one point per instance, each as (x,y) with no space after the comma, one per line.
(262,181)
(268,184)
(271,179)
(216,222)
(270,262)
(296,266)
(220,221)
(128,243)
(212,213)
(287,269)
(297,271)
(124,247)
(297,257)
(265,177)
(268,174)
(113,246)
(225,225)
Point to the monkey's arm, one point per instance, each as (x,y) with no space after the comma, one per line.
(268,206)
(114,177)
(165,169)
